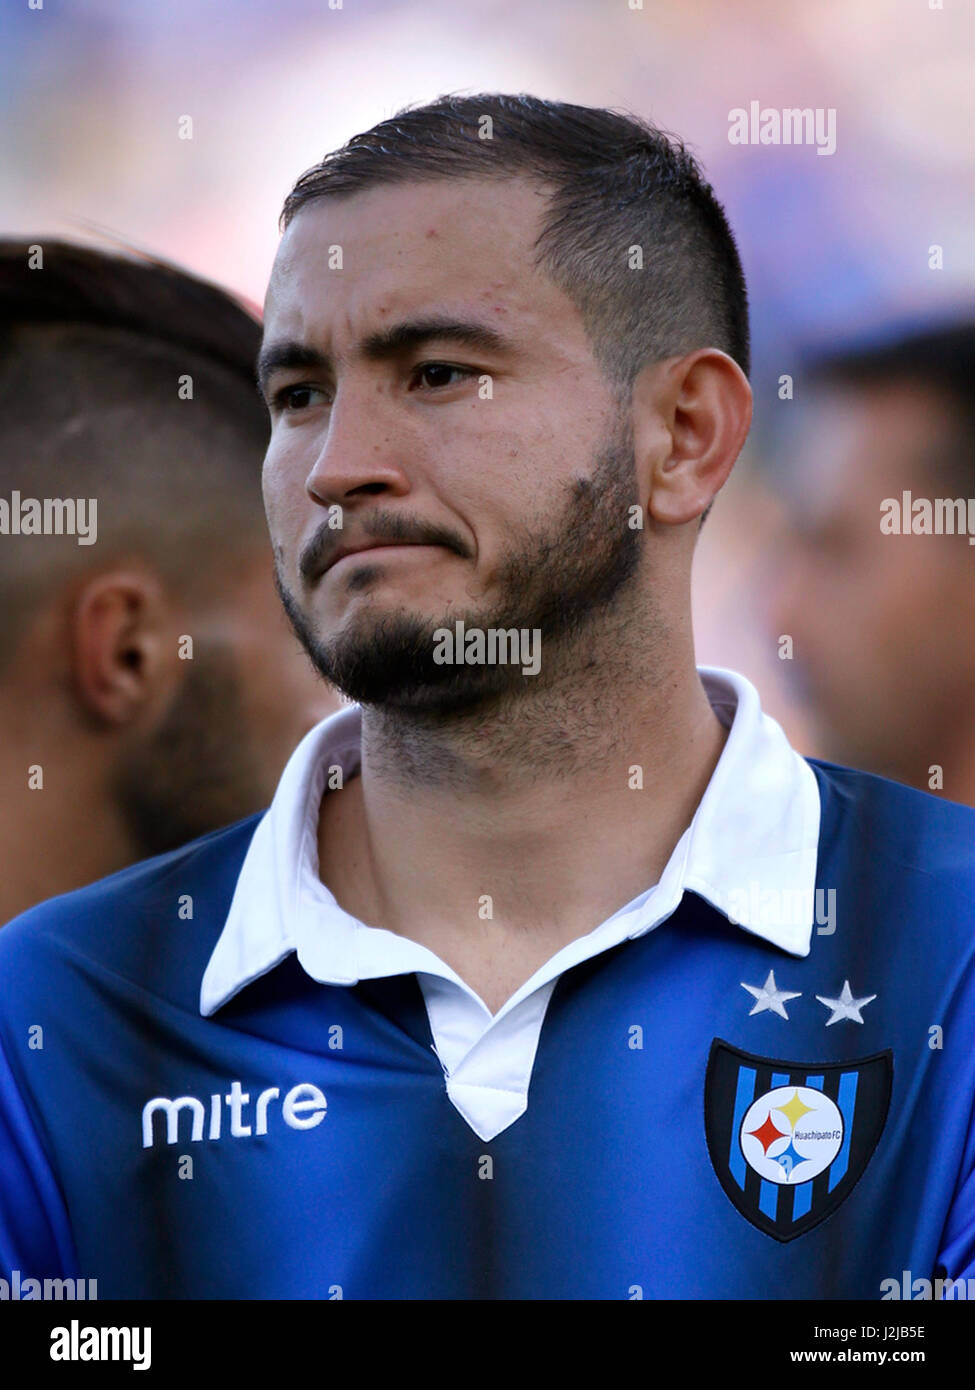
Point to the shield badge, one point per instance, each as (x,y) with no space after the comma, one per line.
(790,1140)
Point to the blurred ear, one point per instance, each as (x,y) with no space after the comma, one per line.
(691,416)
(124,654)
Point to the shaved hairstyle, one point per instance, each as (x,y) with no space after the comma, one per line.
(125,379)
(633,233)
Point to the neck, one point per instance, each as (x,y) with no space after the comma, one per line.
(556,806)
(960,785)
(954,743)
(65,830)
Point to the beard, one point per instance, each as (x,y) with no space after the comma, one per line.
(558,579)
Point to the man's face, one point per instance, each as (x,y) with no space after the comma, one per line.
(880,622)
(449,400)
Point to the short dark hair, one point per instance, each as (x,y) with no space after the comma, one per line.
(937,356)
(617,183)
(92,348)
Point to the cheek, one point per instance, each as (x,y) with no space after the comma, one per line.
(271,488)
(286,501)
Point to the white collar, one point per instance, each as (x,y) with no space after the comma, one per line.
(750,851)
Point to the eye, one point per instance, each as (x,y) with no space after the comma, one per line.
(291,399)
(439,374)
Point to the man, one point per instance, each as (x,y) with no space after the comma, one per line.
(878,599)
(521,989)
(149,689)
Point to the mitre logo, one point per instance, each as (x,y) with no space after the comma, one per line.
(303,1107)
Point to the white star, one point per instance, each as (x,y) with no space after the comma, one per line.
(769,997)
(846,1006)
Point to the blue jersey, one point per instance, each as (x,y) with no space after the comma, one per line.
(710,1117)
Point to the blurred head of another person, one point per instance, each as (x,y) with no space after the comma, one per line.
(150,688)
(877,588)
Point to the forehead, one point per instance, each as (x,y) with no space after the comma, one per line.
(445,243)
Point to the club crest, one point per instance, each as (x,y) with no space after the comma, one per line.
(788,1140)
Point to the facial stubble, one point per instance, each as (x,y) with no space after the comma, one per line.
(559,579)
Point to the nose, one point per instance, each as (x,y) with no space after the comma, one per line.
(362,449)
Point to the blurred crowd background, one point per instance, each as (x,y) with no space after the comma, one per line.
(837,250)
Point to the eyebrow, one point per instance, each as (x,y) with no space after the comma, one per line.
(388,342)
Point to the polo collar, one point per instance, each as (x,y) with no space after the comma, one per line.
(750,850)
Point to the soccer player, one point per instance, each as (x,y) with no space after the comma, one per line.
(552,971)
(892,686)
(150,689)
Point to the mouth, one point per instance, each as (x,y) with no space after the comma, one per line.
(371,553)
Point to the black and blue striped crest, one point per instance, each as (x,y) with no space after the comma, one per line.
(790,1140)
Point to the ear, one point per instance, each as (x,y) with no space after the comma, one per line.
(123,649)
(691,416)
